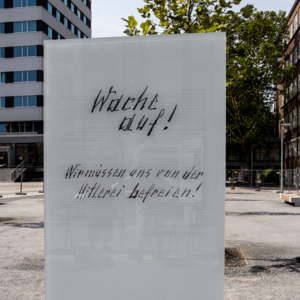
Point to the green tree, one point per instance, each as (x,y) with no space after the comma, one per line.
(255,48)
(183,16)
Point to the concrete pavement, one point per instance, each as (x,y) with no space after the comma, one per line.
(262,226)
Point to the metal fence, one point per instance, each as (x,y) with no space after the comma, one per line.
(264,178)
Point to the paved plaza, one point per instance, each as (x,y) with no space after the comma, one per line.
(259,224)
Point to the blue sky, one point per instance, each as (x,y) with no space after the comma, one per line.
(107,14)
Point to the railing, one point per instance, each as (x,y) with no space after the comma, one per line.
(18,171)
(268,178)
(2,167)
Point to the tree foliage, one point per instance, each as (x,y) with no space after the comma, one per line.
(255,48)
(183,16)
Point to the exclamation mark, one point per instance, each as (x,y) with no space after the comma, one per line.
(171,116)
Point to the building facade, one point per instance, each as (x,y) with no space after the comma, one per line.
(289,104)
(24,26)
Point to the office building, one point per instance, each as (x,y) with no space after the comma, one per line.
(289,104)
(24,26)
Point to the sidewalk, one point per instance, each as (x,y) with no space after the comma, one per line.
(266,229)
(9,189)
(263,227)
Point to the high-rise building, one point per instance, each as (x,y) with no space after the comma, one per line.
(24,26)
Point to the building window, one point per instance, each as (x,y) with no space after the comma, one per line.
(25,76)
(31,26)
(26,51)
(24,3)
(18,102)
(286,120)
(295,55)
(15,127)
(291,29)
(295,86)
(295,123)
(57,15)
(66,2)
(2,52)
(49,8)
(84,36)
(84,20)
(32,101)
(32,76)
(58,36)
(50,32)
(295,148)
(79,33)
(18,27)
(23,127)
(296,22)
(18,77)
(4,127)
(1,3)
(66,22)
(84,1)
(72,7)
(32,51)
(290,150)
(27,26)
(2,28)
(31,2)
(25,101)
(17,3)
(2,77)
(78,13)
(2,102)
(18,51)
(72,28)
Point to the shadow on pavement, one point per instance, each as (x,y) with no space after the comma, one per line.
(239,200)
(26,225)
(261,213)
(290,265)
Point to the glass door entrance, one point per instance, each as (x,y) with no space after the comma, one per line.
(3,158)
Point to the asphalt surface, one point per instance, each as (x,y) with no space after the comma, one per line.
(264,228)
(267,230)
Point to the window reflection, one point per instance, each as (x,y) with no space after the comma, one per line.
(31,153)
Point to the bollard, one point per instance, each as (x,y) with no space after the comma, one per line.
(42,190)
(232,178)
(257,189)
(3,169)
(289,180)
(297,176)
(21,183)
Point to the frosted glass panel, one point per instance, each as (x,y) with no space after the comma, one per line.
(135,168)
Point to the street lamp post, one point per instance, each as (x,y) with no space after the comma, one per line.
(281,173)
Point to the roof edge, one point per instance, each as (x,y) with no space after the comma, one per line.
(293,8)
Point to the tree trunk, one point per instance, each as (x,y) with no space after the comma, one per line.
(248,156)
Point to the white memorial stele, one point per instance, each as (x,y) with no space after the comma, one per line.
(135,168)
